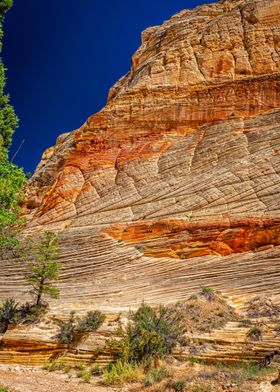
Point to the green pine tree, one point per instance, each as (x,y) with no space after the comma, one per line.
(43,268)
(12,178)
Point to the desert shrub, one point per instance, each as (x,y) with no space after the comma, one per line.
(255,333)
(262,307)
(29,313)
(56,365)
(244,371)
(80,366)
(155,376)
(177,386)
(96,370)
(66,330)
(8,314)
(121,373)
(151,334)
(12,313)
(239,373)
(71,329)
(91,322)
(193,359)
(208,293)
(245,323)
(200,388)
(4,389)
(207,290)
(85,375)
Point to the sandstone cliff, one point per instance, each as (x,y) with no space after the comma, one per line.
(174,185)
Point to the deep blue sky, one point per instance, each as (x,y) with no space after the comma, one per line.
(64,55)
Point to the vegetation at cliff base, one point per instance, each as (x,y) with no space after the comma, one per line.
(151,334)
(74,327)
(8,314)
(5,389)
(42,270)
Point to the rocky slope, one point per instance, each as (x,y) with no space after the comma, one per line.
(174,185)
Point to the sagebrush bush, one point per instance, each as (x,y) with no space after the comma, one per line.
(91,322)
(151,334)
(255,333)
(208,293)
(66,330)
(70,329)
(179,386)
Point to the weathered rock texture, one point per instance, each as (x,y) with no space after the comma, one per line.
(182,163)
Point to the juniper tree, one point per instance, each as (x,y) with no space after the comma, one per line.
(43,267)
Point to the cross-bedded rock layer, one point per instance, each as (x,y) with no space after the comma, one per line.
(182,163)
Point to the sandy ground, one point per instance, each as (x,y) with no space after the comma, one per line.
(21,379)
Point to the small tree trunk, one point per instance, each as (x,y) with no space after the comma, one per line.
(38,301)
(40,290)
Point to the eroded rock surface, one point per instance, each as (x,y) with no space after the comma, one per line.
(174,185)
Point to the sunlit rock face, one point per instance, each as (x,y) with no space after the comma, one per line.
(174,185)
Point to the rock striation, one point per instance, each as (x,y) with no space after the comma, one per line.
(174,185)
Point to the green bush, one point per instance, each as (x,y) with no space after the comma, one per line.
(85,375)
(91,322)
(56,365)
(8,314)
(245,323)
(243,371)
(155,376)
(120,373)
(177,386)
(73,327)
(96,370)
(12,313)
(4,389)
(151,334)
(255,333)
(208,293)
(66,330)
(30,313)
(12,178)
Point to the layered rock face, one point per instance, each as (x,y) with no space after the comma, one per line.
(174,185)
(182,162)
